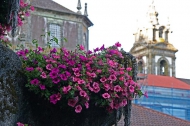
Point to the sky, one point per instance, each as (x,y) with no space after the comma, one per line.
(116,21)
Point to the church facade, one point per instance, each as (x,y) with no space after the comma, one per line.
(152,47)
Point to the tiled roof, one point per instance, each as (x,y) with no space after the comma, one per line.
(50,5)
(141,116)
(165,81)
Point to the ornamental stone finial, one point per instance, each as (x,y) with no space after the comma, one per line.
(79,7)
(85,11)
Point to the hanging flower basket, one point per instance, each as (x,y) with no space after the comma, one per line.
(80,85)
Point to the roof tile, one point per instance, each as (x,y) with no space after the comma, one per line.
(141,116)
(50,5)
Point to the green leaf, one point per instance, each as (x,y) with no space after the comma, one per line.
(48,33)
(65,39)
(55,39)
(36,45)
(34,41)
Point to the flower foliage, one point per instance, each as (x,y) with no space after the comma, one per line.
(25,10)
(82,78)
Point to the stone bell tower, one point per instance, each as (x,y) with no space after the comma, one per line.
(155,54)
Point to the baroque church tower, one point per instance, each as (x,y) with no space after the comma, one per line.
(155,54)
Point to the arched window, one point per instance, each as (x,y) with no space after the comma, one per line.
(163,68)
(140,67)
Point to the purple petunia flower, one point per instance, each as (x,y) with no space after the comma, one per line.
(29,68)
(56,80)
(35,81)
(53,74)
(102,48)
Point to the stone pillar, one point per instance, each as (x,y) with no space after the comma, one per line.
(157,35)
(173,67)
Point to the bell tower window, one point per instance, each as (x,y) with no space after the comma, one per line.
(163,68)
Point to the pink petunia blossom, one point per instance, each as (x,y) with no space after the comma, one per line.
(35,81)
(128,69)
(116,106)
(78,108)
(66,89)
(72,102)
(27,14)
(77,73)
(106,95)
(117,44)
(126,84)
(96,85)
(42,87)
(62,66)
(121,78)
(93,75)
(103,79)
(32,8)
(63,77)
(49,66)
(83,93)
(117,88)
(106,87)
(96,90)
(99,71)
(43,75)
(19,124)
(111,63)
(40,49)
(54,98)
(53,74)
(90,88)
(39,69)
(21,3)
(81,81)
(20,23)
(78,88)
(112,78)
(121,72)
(56,80)
(86,105)
(56,56)
(75,79)
(124,102)
(131,89)
(81,47)
(55,70)
(67,74)
(29,68)
(54,50)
